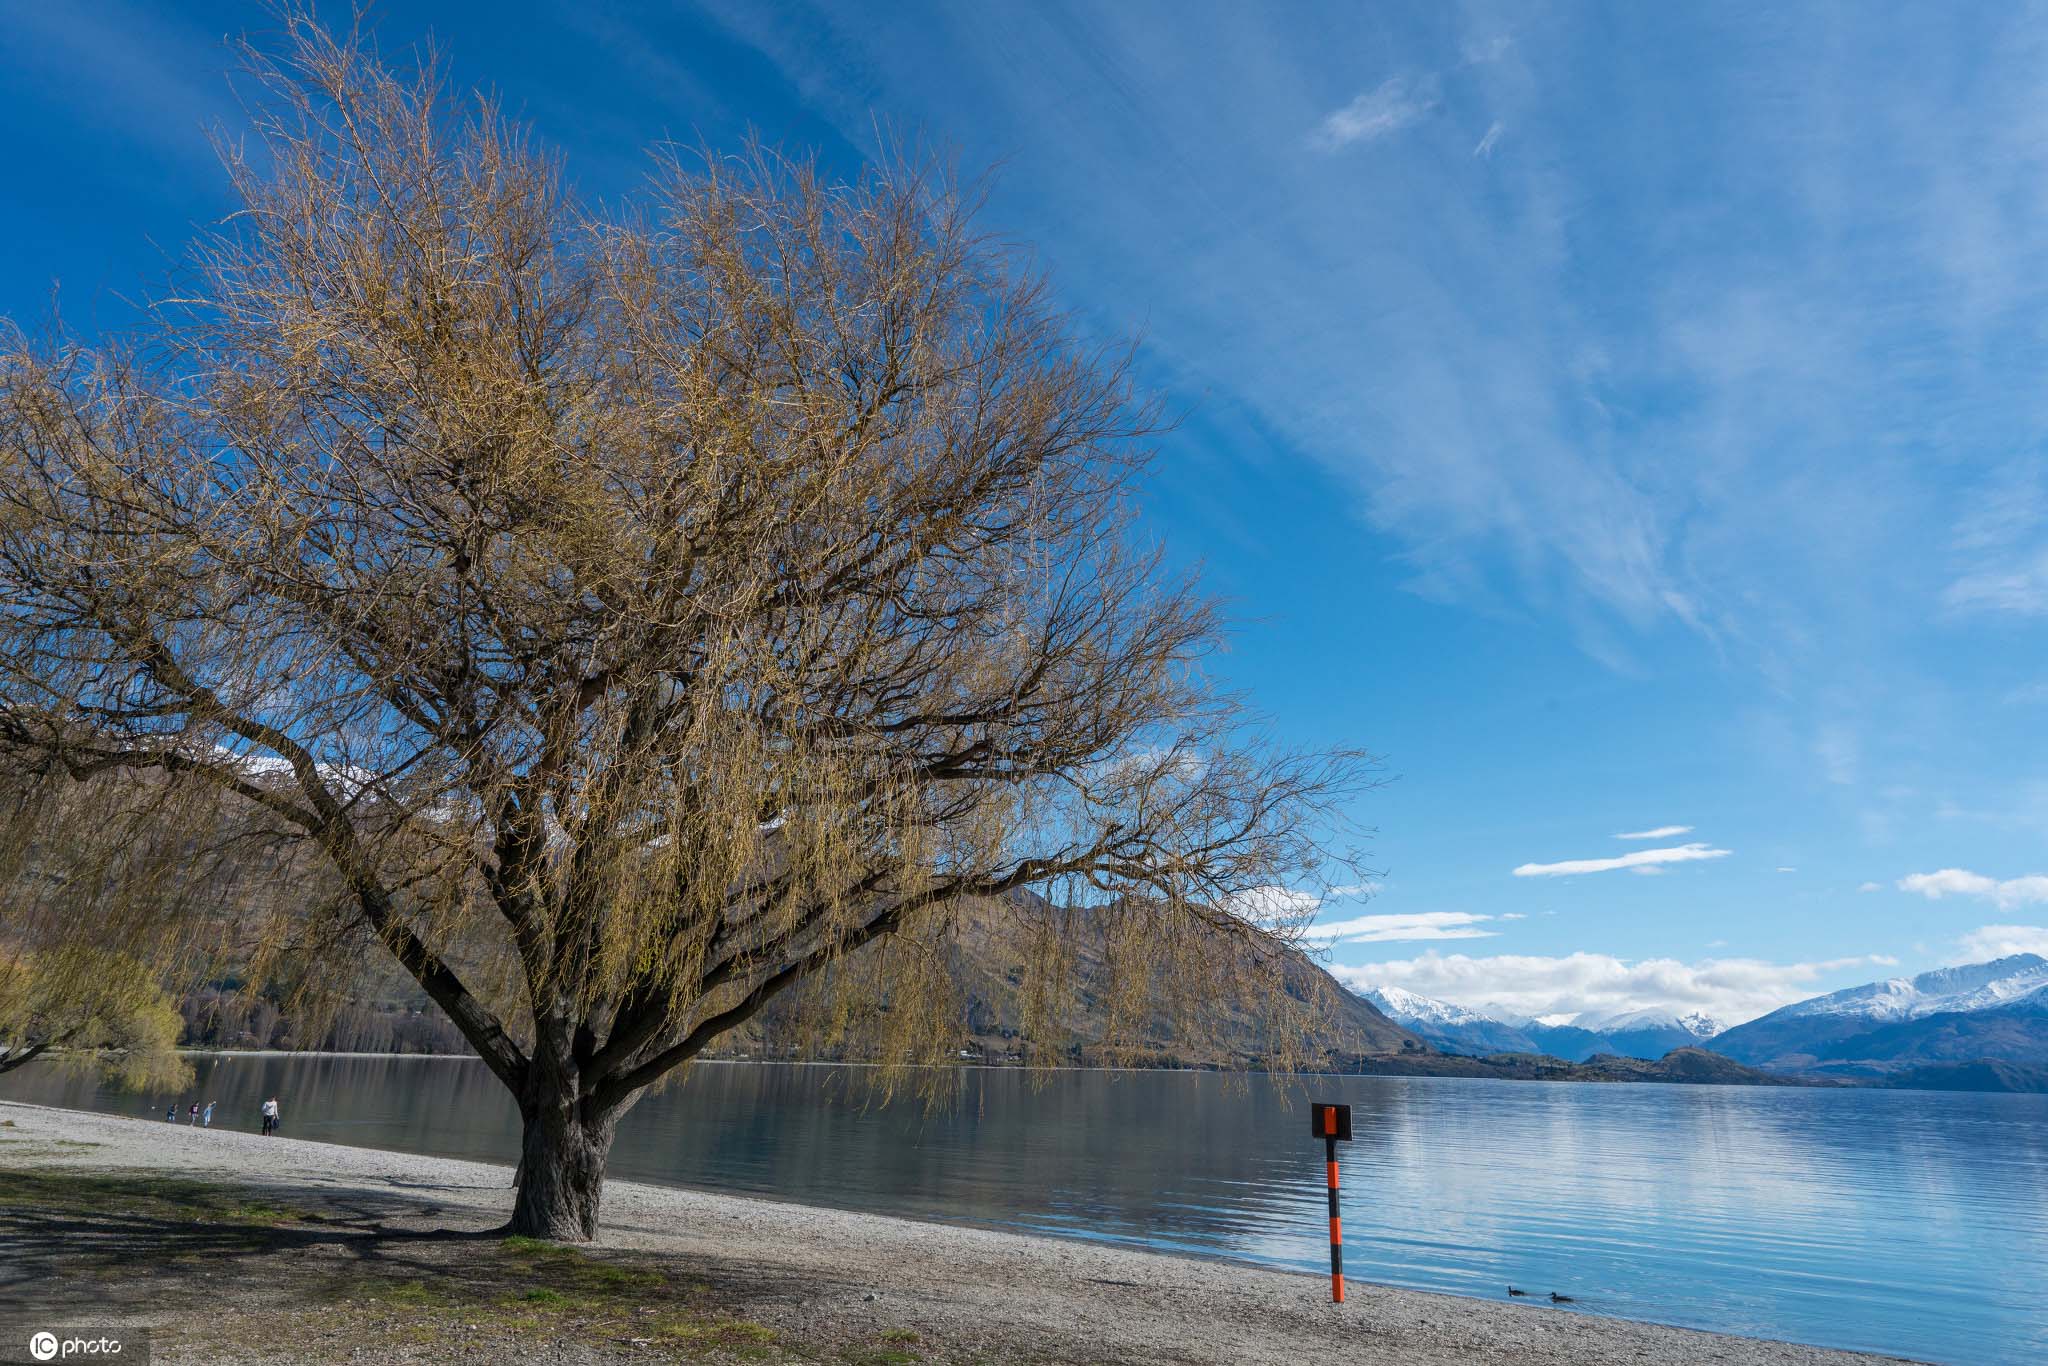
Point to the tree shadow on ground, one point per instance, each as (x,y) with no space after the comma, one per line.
(81,1239)
(112,1243)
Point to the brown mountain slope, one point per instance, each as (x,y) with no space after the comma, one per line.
(988,958)
(1223,1032)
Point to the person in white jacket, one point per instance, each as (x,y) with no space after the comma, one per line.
(270,1116)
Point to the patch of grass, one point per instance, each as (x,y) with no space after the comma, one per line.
(35,1148)
(415,1294)
(260,1213)
(894,1349)
(133,1195)
(460,1307)
(697,1334)
(575,1275)
(421,1334)
(525,1283)
(519,1325)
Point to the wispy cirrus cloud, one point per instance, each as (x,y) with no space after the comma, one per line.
(1387,108)
(1853,273)
(1509,453)
(1491,48)
(2008,892)
(2000,549)
(2019,586)
(1662,832)
(1390,929)
(1640,859)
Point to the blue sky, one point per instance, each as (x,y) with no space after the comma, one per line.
(1618,417)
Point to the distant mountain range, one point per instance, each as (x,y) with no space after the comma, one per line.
(1980,1027)
(1646,1034)
(1983,1012)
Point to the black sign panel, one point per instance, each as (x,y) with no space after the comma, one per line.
(1330,1121)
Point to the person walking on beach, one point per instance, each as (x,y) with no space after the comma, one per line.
(206,1119)
(195,1114)
(171,1114)
(270,1117)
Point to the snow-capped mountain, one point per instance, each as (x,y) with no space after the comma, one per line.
(1996,1010)
(1406,1006)
(1697,1024)
(1977,986)
(1492,1029)
(1452,1028)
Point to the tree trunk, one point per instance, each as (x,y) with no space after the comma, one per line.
(562,1155)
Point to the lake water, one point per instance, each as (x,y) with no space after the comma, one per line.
(1895,1221)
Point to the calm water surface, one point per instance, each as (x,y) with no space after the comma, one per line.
(1905,1222)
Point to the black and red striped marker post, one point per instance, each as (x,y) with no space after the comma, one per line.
(1332,1124)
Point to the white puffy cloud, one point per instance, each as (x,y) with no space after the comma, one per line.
(1389,929)
(1662,832)
(2013,891)
(1870,887)
(1987,942)
(1729,989)
(1640,859)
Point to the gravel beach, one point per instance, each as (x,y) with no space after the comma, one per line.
(815,1275)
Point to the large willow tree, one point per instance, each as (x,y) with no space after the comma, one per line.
(661,604)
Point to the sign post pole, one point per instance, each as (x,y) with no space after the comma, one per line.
(1332,1123)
